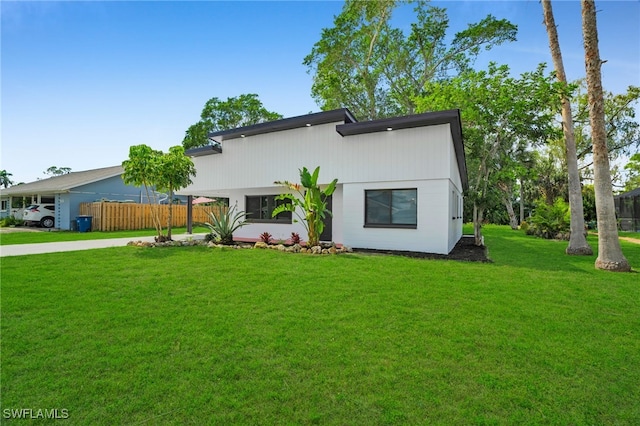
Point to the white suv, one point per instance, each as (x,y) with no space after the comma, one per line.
(41,214)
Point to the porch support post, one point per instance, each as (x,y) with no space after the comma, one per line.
(190,214)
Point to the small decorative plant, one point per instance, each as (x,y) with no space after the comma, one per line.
(311,199)
(226,223)
(265,237)
(295,238)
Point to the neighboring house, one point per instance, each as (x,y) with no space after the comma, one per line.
(628,210)
(67,191)
(400,180)
(5,206)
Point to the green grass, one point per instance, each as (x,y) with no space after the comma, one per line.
(629,234)
(220,336)
(9,238)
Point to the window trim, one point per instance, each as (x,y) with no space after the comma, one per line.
(287,221)
(390,225)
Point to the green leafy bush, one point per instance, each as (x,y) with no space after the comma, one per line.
(551,221)
(223,226)
(10,221)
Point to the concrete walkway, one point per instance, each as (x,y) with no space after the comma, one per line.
(39,248)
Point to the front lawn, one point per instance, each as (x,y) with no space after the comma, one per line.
(7,238)
(195,335)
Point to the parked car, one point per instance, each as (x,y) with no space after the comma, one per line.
(40,214)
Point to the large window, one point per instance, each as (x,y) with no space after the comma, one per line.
(260,207)
(391,208)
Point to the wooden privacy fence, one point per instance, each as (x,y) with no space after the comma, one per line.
(131,216)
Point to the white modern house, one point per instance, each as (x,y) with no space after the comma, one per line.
(400,180)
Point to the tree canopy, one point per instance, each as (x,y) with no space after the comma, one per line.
(5,179)
(57,171)
(364,64)
(244,110)
(502,118)
(155,170)
(621,126)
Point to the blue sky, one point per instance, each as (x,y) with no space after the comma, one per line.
(83,81)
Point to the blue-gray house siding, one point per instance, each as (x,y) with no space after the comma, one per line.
(68,191)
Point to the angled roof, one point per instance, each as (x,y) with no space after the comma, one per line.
(324,117)
(63,183)
(632,193)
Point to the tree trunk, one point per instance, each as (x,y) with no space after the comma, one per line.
(170,215)
(513,220)
(610,255)
(478,213)
(577,240)
(154,212)
(521,201)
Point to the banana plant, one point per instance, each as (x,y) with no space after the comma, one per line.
(310,199)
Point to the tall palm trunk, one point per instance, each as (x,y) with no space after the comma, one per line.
(610,255)
(577,240)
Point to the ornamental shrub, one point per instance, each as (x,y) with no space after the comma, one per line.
(225,224)
(550,221)
(295,238)
(265,237)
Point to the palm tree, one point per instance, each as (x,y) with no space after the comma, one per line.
(4,179)
(577,240)
(610,255)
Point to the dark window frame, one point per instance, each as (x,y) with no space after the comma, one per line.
(283,218)
(389,225)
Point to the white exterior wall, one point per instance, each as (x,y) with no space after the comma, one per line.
(282,231)
(258,161)
(279,231)
(456,200)
(422,158)
(430,234)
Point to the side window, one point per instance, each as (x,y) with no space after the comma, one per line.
(391,208)
(259,208)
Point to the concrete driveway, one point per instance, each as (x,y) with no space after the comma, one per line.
(39,248)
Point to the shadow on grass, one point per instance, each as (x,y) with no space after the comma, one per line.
(515,248)
(163,252)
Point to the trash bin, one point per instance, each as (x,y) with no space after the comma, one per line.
(84,223)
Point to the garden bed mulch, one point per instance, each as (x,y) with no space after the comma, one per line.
(464,250)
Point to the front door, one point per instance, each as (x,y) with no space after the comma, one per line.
(328,222)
